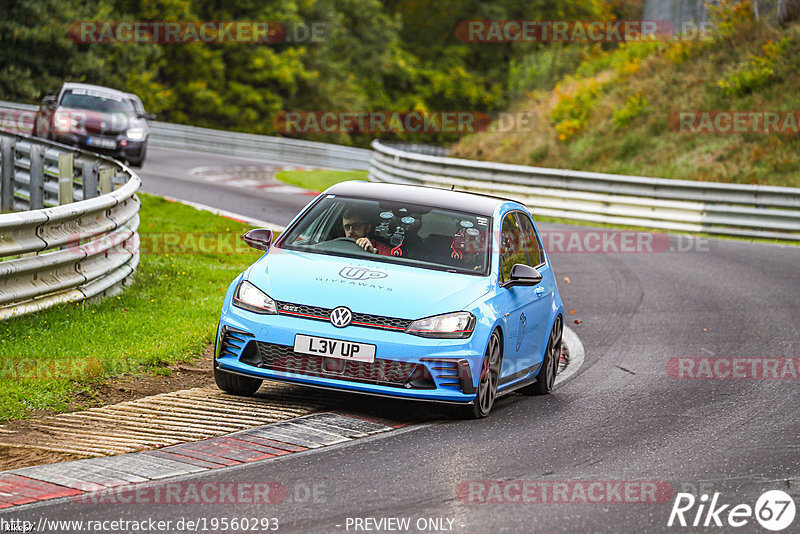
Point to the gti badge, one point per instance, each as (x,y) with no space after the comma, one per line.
(341,317)
(360,273)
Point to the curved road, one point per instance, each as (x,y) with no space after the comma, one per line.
(622,417)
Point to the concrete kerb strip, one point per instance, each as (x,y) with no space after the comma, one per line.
(69,479)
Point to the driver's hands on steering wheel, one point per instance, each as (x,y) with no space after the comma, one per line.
(366,244)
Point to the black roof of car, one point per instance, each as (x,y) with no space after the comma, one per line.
(418,194)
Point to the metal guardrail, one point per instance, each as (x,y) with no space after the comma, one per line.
(281,149)
(84,244)
(683,205)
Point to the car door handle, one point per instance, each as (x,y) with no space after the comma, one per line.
(539,291)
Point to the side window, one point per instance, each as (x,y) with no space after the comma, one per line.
(512,245)
(531,243)
(322,227)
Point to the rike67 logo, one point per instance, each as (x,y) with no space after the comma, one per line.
(774,510)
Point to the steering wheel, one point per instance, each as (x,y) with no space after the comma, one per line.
(341,244)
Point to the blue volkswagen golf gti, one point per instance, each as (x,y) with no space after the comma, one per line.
(400,291)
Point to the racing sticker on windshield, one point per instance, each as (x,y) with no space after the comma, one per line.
(89,92)
(482,221)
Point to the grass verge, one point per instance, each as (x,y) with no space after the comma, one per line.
(169,314)
(319,180)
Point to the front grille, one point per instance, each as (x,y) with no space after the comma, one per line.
(359,319)
(381,372)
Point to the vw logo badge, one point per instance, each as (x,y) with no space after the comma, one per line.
(341,317)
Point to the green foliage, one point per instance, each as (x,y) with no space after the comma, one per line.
(571,114)
(541,70)
(390,55)
(754,73)
(319,180)
(623,59)
(635,106)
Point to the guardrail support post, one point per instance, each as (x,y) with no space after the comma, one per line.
(65,173)
(7,173)
(37,177)
(105,180)
(90,177)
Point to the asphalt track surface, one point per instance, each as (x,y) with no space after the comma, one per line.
(620,418)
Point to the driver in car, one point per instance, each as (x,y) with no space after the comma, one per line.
(356,227)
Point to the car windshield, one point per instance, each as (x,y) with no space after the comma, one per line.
(409,234)
(94,101)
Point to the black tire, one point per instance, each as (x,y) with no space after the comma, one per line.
(242,386)
(546,378)
(488,380)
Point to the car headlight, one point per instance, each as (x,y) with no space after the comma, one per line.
(449,325)
(249,297)
(135,134)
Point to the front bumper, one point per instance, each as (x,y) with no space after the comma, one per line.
(405,366)
(132,151)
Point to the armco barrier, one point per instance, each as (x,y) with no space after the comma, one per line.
(681,205)
(71,250)
(178,136)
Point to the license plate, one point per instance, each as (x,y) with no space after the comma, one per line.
(101,142)
(334,348)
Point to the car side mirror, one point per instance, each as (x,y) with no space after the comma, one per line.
(147,116)
(259,239)
(49,101)
(523,275)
